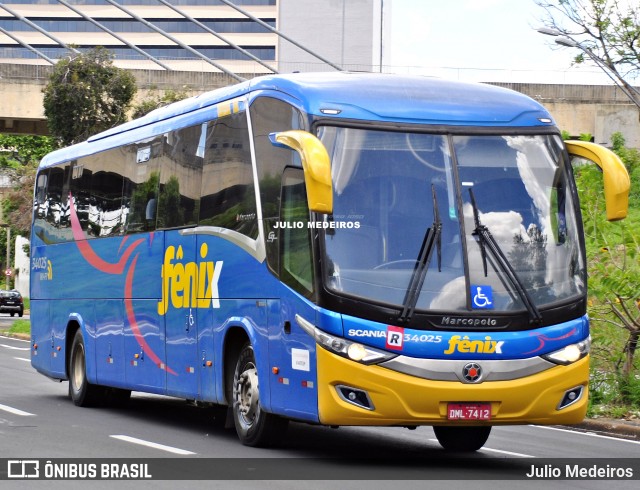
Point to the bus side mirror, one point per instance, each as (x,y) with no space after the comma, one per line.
(615,176)
(316,165)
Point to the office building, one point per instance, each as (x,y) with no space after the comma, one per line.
(206,35)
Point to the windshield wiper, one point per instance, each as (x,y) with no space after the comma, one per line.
(433,236)
(486,238)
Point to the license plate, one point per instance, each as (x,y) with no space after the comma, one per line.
(469,411)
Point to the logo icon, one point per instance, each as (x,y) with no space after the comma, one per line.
(23,468)
(472,372)
(481,297)
(395,337)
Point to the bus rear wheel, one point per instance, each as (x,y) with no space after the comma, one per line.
(254,426)
(83,393)
(462,439)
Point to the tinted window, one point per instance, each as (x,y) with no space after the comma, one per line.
(142,179)
(181,177)
(228,194)
(268,116)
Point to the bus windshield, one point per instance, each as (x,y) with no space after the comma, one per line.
(507,236)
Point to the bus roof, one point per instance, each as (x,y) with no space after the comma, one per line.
(355,96)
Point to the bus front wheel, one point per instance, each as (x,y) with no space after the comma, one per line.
(83,393)
(463,438)
(254,426)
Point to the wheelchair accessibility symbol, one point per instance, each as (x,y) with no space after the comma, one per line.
(481,297)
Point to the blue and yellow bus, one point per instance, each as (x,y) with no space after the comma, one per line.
(337,249)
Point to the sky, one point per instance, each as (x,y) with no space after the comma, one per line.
(476,39)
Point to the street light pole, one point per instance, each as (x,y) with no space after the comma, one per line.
(8,267)
(6,275)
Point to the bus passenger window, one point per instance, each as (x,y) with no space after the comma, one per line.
(228,192)
(142,162)
(181,178)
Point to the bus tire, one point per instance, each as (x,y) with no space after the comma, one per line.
(254,426)
(462,438)
(83,393)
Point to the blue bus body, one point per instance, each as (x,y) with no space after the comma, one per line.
(165,308)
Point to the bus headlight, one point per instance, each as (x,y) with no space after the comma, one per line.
(343,347)
(571,353)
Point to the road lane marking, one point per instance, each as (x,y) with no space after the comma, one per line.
(22,359)
(591,434)
(154,445)
(15,411)
(14,348)
(508,453)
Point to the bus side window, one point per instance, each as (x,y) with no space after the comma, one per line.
(55,219)
(41,203)
(141,183)
(179,200)
(269,115)
(296,263)
(228,191)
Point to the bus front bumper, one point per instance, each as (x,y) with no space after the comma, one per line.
(401,399)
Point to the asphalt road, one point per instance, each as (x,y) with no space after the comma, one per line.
(37,420)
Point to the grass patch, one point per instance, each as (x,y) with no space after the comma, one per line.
(20,326)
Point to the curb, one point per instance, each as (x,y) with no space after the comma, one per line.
(630,429)
(20,336)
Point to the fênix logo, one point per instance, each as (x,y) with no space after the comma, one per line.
(463,345)
(189,284)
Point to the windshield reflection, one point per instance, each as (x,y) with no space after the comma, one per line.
(383,182)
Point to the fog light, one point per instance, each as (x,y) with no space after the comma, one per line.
(355,396)
(570,397)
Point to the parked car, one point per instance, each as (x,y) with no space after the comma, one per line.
(11,302)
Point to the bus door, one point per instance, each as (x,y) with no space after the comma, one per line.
(179,306)
(294,389)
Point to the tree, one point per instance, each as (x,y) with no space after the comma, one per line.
(613,253)
(606,32)
(85,95)
(17,205)
(24,149)
(152,102)
(19,157)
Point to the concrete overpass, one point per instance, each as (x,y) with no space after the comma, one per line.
(598,110)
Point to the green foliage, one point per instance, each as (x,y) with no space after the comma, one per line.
(613,253)
(24,149)
(585,137)
(152,102)
(85,95)
(17,203)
